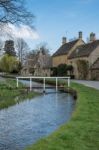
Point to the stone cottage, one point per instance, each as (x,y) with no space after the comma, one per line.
(38,64)
(62,54)
(43,64)
(86,53)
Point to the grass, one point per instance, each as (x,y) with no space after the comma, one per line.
(10,95)
(82,131)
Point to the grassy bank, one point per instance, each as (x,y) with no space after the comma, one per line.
(10,95)
(82,131)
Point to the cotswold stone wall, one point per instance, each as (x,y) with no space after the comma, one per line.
(94,56)
(95,74)
(57,60)
(74,64)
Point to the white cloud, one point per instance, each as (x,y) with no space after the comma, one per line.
(21,31)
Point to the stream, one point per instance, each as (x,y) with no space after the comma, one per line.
(26,122)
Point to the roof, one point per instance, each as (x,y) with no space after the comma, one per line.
(84,50)
(95,65)
(64,49)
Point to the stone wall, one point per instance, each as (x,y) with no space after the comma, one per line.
(73,62)
(94,56)
(42,72)
(95,74)
(57,60)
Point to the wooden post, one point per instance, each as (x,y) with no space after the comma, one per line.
(30,84)
(56,84)
(17,82)
(44,85)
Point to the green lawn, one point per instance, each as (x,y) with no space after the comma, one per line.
(10,95)
(82,131)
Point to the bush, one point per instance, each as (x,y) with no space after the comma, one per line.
(8,63)
(63,70)
(54,71)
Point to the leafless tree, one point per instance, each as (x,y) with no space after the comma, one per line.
(14,11)
(1,47)
(22,49)
(43,46)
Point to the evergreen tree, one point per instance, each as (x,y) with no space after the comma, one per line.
(9,48)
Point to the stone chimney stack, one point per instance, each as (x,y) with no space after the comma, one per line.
(64,40)
(80,35)
(92,37)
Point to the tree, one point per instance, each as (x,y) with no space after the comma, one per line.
(14,11)
(8,63)
(1,47)
(43,47)
(62,70)
(54,71)
(9,48)
(83,69)
(22,49)
(70,70)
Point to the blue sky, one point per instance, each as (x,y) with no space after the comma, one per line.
(58,18)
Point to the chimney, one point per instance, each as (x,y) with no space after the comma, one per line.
(64,40)
(92,37)
(80,35)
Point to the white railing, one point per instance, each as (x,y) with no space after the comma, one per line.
(44,84)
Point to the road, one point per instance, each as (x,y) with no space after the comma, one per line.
(94,84)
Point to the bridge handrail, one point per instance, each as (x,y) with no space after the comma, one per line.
(33,77)
(20,77)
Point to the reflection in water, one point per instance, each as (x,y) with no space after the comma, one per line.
(28,121)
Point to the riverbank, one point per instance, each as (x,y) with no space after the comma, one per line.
(82,131)
(10,95)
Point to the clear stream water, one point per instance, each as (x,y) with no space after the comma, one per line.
(23,124)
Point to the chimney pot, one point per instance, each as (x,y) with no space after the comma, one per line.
(92,37)
(64,40)
(80,35)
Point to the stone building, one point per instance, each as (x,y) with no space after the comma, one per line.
(62,54)
(95,70)
(77,51)
(87,52)
(43,64)
(37,64)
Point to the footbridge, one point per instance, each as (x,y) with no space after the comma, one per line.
(66,79)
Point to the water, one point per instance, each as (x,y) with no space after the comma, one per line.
(26,122)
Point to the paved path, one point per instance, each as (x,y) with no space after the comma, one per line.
(94,84)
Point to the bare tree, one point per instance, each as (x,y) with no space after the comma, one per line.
(43,46)
(14,11)
(22,49)
(1,47)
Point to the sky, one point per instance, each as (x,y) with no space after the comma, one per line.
(57,18)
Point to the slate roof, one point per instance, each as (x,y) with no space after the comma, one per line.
(95,65)
(64,49)
(84,50)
